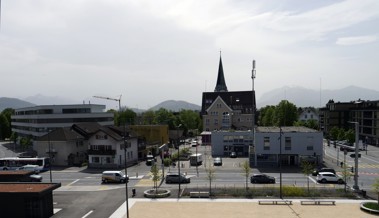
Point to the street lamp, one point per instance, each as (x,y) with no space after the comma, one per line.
(280,161)
(50,161)
(127,179)
(177,141)
(356,187)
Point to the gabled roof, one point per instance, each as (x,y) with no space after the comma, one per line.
(110,133)
(240,100)
(86,129)
(61,134)
(214,102)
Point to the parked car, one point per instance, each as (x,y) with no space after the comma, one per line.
(175,178)
(262,178)
(35,178)
(324,177)
(114,176)
(330,170)
(30,167)
(233,155)
(217,161)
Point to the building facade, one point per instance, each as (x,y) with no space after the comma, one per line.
(37,121)
(341,114)
(226,142)
(292,144)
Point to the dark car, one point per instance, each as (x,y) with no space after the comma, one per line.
(329,170)
(217,161)
(233,154)
(262,178)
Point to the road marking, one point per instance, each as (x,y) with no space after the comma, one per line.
(312,179)
(73,182)
(87,214)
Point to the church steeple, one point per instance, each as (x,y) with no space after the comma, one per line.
(220,85)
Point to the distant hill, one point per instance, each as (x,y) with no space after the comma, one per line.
(303,97)
(13,103)
(176,106)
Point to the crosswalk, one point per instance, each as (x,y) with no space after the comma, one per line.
(368,166)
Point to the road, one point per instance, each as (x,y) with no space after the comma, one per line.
(83,195)
(368,164)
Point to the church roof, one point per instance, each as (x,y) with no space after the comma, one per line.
(242,101)
(221,85)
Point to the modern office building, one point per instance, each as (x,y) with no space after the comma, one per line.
(37,121)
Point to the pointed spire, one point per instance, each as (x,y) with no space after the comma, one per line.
(220,85)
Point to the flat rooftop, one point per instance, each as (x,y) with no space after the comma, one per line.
(27,187)
(285,129)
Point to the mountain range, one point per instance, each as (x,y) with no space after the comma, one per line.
(300,96)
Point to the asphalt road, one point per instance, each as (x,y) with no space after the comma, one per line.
(83,195)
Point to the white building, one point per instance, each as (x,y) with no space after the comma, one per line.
(297,144)
(37,121)
(106,149)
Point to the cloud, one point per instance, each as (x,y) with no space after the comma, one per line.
(356,40)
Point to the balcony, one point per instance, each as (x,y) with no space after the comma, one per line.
(101,152)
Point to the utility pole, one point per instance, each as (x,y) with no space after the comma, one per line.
(124,138)
(356,124)
(253,75)
(280,160)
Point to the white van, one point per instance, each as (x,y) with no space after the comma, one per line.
(114,176)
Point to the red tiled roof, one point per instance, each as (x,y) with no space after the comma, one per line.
(27,187)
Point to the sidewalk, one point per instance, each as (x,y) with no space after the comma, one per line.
(241,208)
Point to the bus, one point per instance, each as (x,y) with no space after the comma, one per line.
(13,163)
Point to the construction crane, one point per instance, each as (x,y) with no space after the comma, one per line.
(113,99)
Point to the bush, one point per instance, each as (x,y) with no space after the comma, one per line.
(167,162)
(372,205)
(291,191)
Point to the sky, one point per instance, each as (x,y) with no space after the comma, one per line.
(149,51)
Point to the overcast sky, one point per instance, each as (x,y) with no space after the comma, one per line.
(157,50)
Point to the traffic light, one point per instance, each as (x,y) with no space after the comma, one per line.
(352,169)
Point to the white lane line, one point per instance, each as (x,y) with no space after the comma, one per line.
(73,182)
(87,214)
(312,179)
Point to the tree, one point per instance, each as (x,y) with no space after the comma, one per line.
(246,172)
(163,116)
(148,117)
(285,114)
(5,123)
(266,115)
(307,169)
(375,186)
(346,173)
(156,176)
(210,170)
(350,136)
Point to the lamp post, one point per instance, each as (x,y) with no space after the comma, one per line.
(126,174)
(356,187)
(177,141)
(50,161)
(280,162)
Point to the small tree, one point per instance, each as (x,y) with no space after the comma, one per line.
(346,173)
(156,176)
(210,170)
(246,172)
(307,169)
(375,186)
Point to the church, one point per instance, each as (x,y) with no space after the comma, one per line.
(227,110)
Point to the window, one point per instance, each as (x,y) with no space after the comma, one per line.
(95,160)
(215,121)
(287,145)
(266,143)
(310,143)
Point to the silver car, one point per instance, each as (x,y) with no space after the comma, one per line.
(324,177)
